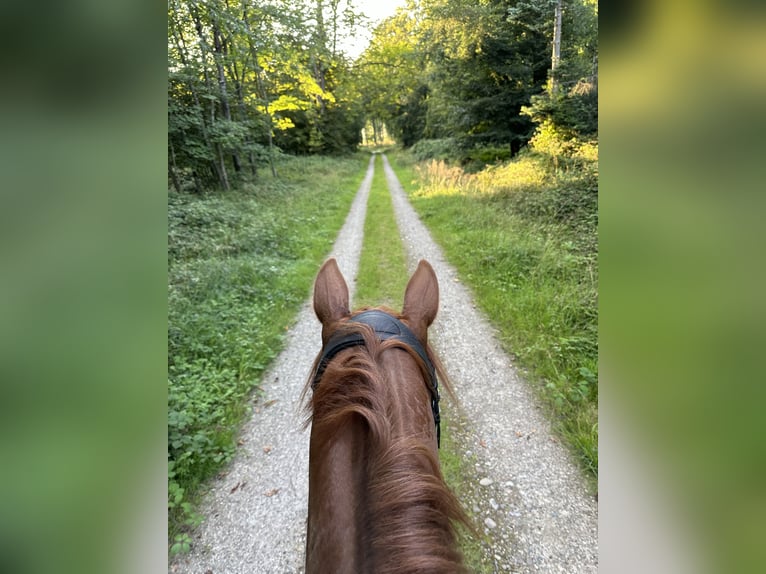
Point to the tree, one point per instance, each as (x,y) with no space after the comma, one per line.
(484,66)
(556,56)
(466,69)
(570,107)
(244,77)
(391,75)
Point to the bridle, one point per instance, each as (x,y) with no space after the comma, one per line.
(386,327)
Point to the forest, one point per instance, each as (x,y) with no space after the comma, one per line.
(489,112)
(472,81)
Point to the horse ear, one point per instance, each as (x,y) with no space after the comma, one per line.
(330,293)
(421,299)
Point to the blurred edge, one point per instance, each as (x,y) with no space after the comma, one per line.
(682,124)
(82,301)
(83,289)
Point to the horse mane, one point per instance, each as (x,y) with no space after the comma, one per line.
(411,512)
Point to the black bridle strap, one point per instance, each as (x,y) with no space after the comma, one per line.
(386,327)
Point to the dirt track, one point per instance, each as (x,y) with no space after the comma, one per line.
(533,501)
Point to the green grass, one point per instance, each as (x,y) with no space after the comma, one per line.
(382,274)
(240,265)
(525,241)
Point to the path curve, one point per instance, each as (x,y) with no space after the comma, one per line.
(543,518)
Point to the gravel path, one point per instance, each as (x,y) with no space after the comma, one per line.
(255,515)
(533,501)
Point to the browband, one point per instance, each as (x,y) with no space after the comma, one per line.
(385,327)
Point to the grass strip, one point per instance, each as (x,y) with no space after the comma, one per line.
(240,265)
(525,241)
(382,280)
(382,275)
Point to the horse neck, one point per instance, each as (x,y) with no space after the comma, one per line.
(336,493)
(376,499)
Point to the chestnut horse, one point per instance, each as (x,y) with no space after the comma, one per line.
(377,500)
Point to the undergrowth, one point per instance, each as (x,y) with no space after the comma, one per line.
(523,236)
(240,264)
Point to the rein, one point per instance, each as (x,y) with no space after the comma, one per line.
(385,327)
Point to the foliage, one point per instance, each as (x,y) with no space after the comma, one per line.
(408,121)
(244,75)
(240,264)
(567,117)
(567,126)
(524,237)
(455,151)
(464,70)
(440,149)
(390,74)
(575,113)
(488,154)
(244,80)
(485,68)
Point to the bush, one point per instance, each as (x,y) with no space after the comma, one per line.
(440,149)
(575,113)
(567,125)
(463,151)
(477,158)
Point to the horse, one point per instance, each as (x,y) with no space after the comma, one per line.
(377,501)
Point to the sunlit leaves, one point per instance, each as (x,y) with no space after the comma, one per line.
(242,74)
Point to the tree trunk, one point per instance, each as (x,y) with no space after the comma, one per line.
(261,88)
(320,48)
(219,51)
(271,152)
(172,167)
(180,44)
(220,164)
(238,79)
(266,103)
(556,56)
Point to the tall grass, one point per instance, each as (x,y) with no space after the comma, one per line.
(523,236)
(239,266)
